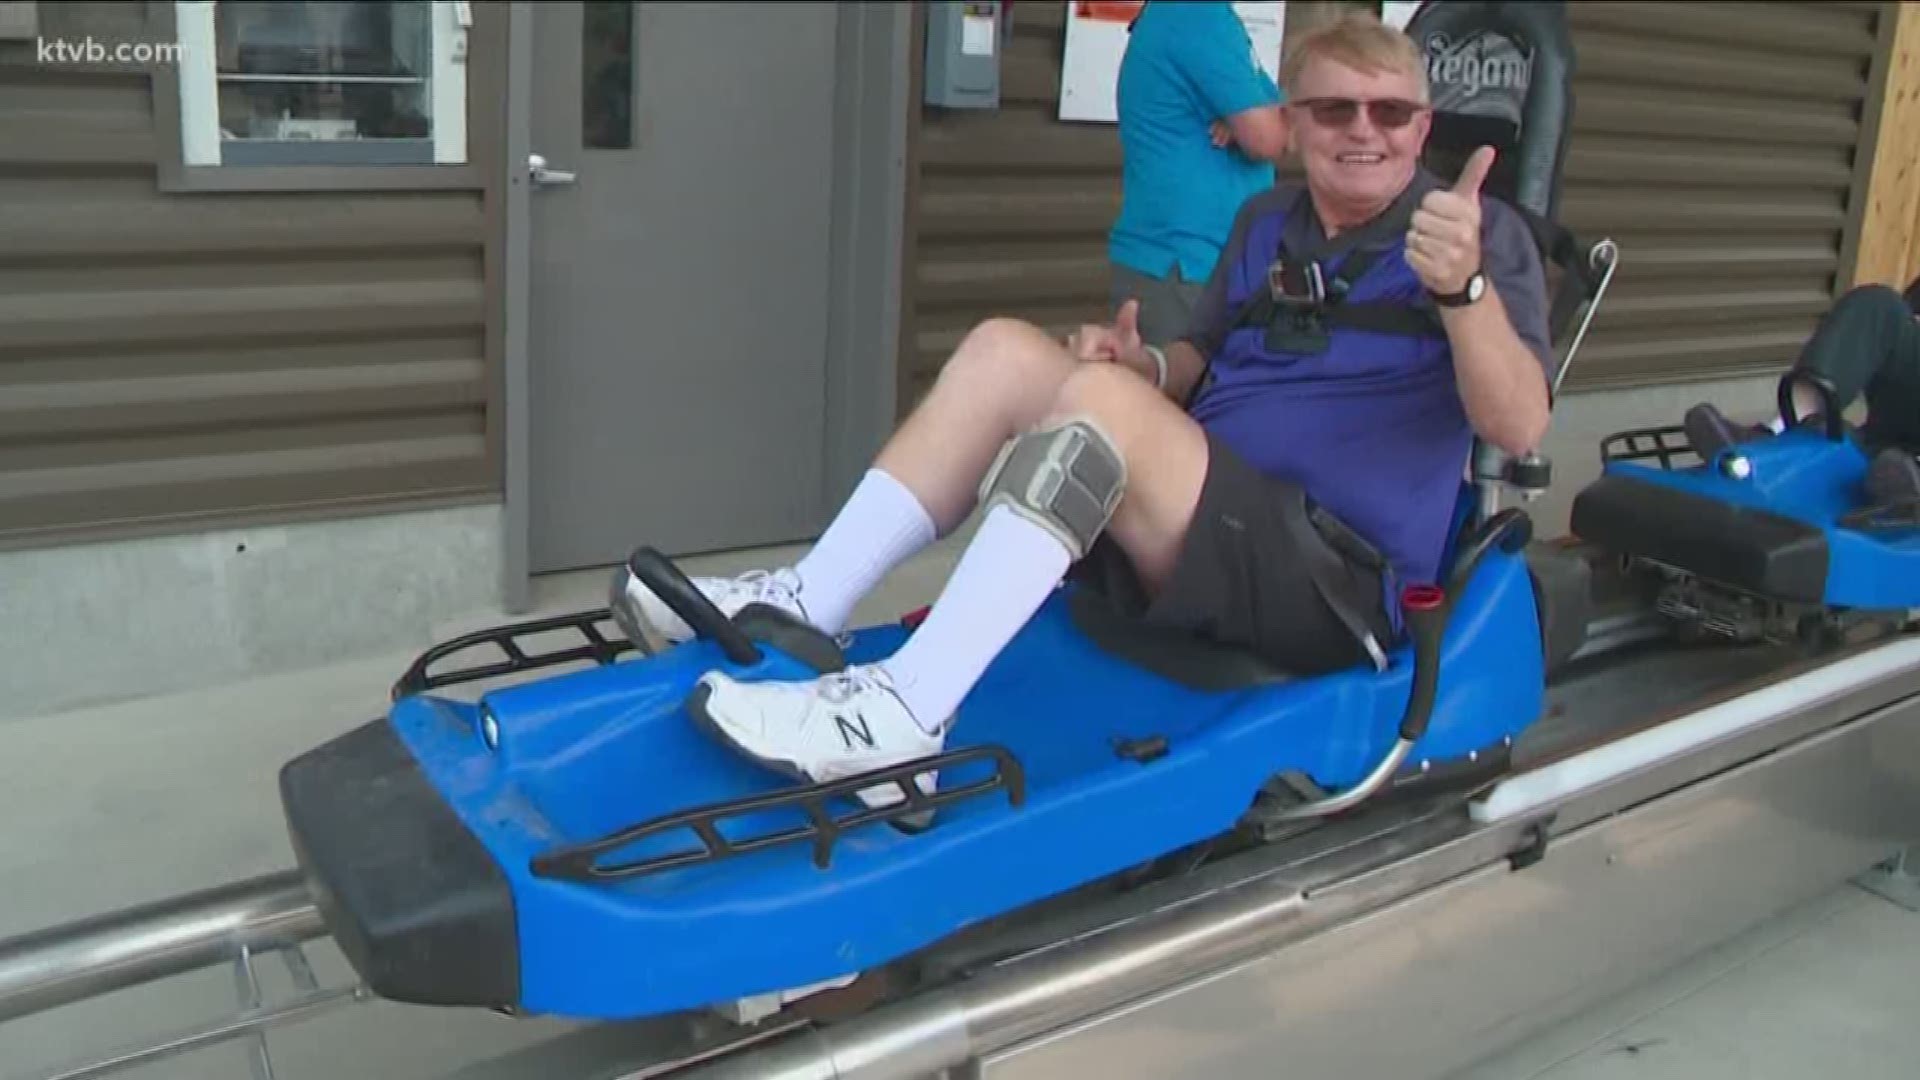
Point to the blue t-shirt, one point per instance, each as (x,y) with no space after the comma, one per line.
(1373,429)
(1187,64)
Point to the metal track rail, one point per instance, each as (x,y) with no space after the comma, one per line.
(55,967)
(236,924)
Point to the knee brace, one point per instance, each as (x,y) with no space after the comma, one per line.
(1066,479)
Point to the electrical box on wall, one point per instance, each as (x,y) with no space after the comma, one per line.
(963,54)
(18,20)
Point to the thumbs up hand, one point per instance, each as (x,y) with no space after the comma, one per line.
(1109,344)
(1126,330)
(1443,242)
(1119,344)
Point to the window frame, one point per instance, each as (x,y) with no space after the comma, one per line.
(184,99)
(19,20)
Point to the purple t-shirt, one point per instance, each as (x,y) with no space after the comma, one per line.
(1373,427)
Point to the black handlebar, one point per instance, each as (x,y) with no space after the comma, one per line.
(658,573)
(1427,608)
(1829,399)
(1510,530)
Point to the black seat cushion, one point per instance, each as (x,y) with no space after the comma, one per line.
(1755,550)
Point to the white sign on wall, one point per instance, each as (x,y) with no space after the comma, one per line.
(1097,39)
(1398,13)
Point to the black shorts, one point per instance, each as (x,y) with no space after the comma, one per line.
(1245,576)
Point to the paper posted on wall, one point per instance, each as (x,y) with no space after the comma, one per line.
(1096,42)
(1398,13)
(977,34)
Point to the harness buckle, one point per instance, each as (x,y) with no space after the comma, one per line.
(1302,284)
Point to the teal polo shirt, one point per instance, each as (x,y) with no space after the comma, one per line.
(1187,64)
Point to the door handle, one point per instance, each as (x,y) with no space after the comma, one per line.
(537,170)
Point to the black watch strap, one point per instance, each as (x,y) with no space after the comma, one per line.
(1476,288)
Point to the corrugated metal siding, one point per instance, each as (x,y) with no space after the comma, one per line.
(1010,208)
(187,360)
(1721,144)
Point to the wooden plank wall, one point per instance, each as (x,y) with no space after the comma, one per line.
(1889,251)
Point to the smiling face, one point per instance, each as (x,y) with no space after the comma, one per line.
(1359,134)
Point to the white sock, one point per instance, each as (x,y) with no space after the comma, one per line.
(881,525)
(1006,573)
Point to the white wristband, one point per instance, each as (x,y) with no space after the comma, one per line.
(1159,366)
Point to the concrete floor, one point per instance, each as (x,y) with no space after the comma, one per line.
(117,805)
(1827,990)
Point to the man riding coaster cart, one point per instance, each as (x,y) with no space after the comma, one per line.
(1268,487)
(1270,558)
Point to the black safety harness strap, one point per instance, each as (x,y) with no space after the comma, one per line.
(1333,312)
(1300,299)
(1299,308)
(1332,550)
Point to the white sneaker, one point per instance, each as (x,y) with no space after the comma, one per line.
(822,730)
(637,610)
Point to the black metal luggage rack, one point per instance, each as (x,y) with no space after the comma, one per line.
(579,862)
(1662,444)
(600,647)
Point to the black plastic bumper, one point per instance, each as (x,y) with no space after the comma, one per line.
(1755,550)
(415,902)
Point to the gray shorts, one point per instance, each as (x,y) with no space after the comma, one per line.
(1246,575)
(1166,304)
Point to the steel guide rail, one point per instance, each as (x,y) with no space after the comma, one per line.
(104,953)
(1167,933)
(234,923)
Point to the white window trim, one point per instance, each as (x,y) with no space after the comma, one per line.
(200,142)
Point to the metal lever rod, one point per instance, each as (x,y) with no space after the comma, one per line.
(1606,254)
(246,1023)
(247,985)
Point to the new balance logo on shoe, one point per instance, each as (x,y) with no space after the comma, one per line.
(852,728)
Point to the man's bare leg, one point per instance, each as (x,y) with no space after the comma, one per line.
(898,710)
(1001,379)
(1013,564)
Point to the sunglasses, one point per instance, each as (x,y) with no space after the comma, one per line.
(1388,113)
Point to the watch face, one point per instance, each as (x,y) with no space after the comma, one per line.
(1475,288)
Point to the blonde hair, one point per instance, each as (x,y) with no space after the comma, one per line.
(1359,40)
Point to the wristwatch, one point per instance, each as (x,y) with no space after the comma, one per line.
(1476,288)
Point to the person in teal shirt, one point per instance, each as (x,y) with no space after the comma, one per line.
(1201,126)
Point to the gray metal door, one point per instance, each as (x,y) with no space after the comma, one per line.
(679,276)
